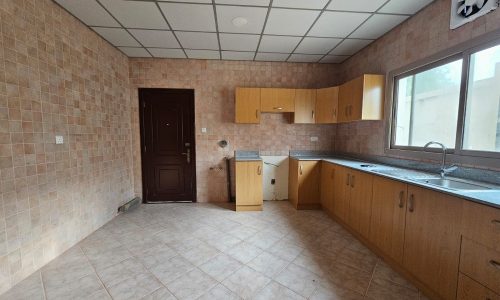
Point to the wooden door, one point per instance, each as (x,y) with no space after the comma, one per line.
(247,105)
(432,239)
(360,202)
(341,192)
(167,145)
(277,100)
(326,187)
(309,180)
(249,183)
(305,106)
(293,181)
(387,222)
(327,105)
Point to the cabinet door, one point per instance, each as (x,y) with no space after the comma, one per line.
(341,192)
(327,101)
(305,106)
(326,187)
(355,108)
(372,106)
(247,106)
(360,202)
(387,221)
(293,181)
(277,100)
(432,239)
(344,101)
(249,183)
(309,180)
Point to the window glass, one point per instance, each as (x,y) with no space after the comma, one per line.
(427,106)
(482,114)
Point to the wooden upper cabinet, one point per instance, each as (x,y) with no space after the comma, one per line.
(305,106)
(362,98)
(248,177)
(432,239)
(277,100)
(247,105)
(327,101)
(387,223)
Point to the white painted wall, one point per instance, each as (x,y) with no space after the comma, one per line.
(278,191)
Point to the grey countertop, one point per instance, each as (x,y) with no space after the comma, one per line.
(490,197)
(241,155)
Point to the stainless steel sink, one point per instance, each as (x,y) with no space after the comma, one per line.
(456,184)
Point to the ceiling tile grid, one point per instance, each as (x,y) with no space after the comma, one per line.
(323,31)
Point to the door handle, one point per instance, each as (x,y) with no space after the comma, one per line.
(411,207)
(300,169)
(401,195)
(352,180)
(348,179)
(188,155)
(259,170)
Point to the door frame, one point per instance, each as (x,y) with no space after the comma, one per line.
(143,142)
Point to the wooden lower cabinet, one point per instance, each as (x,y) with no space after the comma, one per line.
(303,184)
(432,239)
(341,193)
(249,192)
(360,202)
(469,289)
(327,189)
(388,216)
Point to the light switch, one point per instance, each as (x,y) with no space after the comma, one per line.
(204,130)
(314,139)
(59,139)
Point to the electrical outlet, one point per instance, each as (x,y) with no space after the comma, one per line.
(59,140)
(203,130)
(273,181)
(314,139)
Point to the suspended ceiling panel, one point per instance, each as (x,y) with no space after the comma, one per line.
(325,31)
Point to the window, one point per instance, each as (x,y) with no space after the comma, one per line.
(438,102)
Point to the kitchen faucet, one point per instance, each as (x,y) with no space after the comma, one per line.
(444,169)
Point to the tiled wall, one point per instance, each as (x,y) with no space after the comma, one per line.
(214,83)
(423,35)
(57,77)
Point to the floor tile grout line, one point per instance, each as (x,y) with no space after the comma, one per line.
(43,286)
(371,279)
(96,274)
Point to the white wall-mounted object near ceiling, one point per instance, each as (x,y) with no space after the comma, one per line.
(278,30)
(465,11)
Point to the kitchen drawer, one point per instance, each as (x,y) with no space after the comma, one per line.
(469,289)
(481,223)
(481,264)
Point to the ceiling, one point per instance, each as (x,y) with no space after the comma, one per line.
(325,31)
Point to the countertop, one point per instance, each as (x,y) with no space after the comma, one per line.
(240,155)
(489,197)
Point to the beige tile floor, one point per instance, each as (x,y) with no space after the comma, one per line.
(206,251)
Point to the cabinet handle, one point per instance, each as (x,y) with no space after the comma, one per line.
(348,178)
(259,170)
(411,208)
(300,169)
(334,112)
(346,110)
(278,108)
(352,180)
(401,195)
(495,264)
(350,110)
(256,113)
(312,114)
(495,222)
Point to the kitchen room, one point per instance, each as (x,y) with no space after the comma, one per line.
(254,149)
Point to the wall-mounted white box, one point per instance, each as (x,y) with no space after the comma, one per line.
(59,140)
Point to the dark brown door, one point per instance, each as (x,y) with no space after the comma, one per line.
(167,145)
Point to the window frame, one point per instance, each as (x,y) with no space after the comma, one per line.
(456,153)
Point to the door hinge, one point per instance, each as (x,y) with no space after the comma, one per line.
(144,148)
(144,104)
